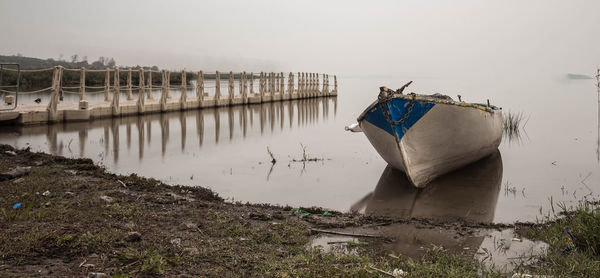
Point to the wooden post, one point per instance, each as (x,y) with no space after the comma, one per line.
(335,87)
(52,107)
(314,84)
(129,86)
(149,90)
(217,88)
(107,86)
(200,87)
(116,109)
(309,89)
(164,91)
(231,87)
(276,82)
(291,84)
(299,86)
(324,89)
(298,90)
(328,85)
(141,103)
(302,85)
(183,97)
(281,84)
(241,85)
(267,82)
(82,84)
(168,84)
(324,86)
(309,84)
(244,87)
(305,89)
(251,84)
(272,85)
(318,84)
(261,87)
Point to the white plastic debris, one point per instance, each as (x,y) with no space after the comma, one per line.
(525,275)
(522,275)
(354,128)
(399,273)
(46,193)
(106,198)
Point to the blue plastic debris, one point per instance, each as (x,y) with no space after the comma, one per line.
(17,205)
(570,238)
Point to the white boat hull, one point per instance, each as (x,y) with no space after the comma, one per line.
(437,136)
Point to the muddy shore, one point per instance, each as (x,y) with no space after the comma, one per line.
(69,217)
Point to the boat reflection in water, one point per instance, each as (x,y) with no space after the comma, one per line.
(469,194)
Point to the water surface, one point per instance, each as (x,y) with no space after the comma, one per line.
(225,149)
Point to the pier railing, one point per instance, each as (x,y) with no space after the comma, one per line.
(140,98)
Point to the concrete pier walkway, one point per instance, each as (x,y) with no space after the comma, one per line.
(272,87)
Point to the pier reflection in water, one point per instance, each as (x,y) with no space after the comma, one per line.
(224,149)
(228,123)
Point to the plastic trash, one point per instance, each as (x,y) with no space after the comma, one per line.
(11,153)
(399,272)
(570,239)
(303,212)
(17,205)
(353,128)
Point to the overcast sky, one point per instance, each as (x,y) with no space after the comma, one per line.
(410,38)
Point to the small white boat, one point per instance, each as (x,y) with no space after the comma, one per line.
(426,136)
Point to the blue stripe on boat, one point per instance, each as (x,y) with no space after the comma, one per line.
(398,108)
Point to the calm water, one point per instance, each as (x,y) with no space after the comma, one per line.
(225,149)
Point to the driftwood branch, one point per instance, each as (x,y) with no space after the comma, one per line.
(399,91)
(382,271)
(343,234)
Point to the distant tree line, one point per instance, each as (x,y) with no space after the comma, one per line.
(38,80)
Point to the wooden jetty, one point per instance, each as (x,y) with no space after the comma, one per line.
(140,100)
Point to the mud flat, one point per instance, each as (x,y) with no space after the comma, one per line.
(69,217)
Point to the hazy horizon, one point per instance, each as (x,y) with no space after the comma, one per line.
(353,38)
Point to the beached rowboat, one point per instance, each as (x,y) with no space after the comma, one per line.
(426,136)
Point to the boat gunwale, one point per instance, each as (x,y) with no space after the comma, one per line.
(432,99)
